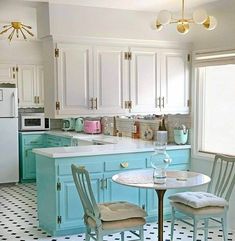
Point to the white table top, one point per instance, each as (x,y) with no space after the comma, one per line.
(175,179)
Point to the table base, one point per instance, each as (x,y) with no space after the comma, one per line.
(160,194)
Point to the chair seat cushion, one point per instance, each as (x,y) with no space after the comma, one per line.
(116,211)
(198,199)
(209,211)
(112,225)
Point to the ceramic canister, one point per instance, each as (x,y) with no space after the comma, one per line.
(180,136)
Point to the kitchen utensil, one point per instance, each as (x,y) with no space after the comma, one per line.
(68,124)
(92,126)
(79,124)
(180,136)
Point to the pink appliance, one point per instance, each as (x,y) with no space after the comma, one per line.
(92,126)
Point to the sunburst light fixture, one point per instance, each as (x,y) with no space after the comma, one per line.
(200,16)
(18,29)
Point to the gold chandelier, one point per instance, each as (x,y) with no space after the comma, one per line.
(199,17)
(18,29)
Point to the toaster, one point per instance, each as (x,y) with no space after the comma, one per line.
(92,126)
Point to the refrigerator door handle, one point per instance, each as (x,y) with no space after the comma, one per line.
(14,105)
(1,95)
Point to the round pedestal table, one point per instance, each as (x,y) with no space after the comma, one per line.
(175,180)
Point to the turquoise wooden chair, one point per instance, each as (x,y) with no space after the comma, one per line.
(210,205)
(106,218)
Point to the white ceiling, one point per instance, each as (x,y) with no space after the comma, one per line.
(139,5)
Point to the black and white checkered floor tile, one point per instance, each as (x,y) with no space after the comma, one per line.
(18,221)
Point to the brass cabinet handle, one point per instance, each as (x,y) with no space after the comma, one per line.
(13,73)
(92,104)
(96,107)
(33,142)
(124,164)
(163,102)
(159,101)
(35,99)
(38,100)
(104,183)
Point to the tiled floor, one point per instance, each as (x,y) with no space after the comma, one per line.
(18,221)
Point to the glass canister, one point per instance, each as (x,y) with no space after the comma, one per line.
(160,161)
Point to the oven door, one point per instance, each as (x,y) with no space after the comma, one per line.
(32,123)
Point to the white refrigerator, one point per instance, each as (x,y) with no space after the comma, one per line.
(9,158)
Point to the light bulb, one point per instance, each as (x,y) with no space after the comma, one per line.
(200,16)
(164,17)
(183,26)
(158,26)
(155,25)
(210,23)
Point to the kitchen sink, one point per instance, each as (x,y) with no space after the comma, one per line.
(79,142)
(99,142)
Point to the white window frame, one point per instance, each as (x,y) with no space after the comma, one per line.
(200,59)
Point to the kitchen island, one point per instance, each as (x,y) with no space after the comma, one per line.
(59,209)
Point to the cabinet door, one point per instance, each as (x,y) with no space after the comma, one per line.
(7,73)
(144,67)
(111,86)
(75,80)
(71,210)
(175,82)
(27,85)
(27,157)
(29,165)
(40,85)
(116,192)
(53,141)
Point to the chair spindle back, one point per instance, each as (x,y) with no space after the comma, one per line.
(222,176)
(83,185)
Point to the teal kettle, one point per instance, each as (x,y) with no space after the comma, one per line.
(79,123)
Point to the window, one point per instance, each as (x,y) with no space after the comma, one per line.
(215,105)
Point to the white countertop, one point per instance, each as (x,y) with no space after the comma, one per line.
(116,145)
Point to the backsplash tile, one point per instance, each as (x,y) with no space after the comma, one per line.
(125,125)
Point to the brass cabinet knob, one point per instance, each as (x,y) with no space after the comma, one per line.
(92,103)
(124,164)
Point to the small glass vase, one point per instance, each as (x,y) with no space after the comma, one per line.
(160,161)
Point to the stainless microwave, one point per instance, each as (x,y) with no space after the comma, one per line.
(34,122)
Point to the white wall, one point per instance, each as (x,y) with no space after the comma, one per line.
(70,21)
(19,51)
(76,21)
(223,37)
(14,11)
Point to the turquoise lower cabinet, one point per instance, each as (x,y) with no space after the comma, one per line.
(57,141)
(29,167)
(28,142)
(66,141)
(59,208)
(27,159)
(70,208)
(117,192)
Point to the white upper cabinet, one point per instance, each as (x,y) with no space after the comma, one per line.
(75,79)
(111,80)
(144,75)
(174,82)
(26,85)
(40,85)
(7,73)
(114,79)
(30,85)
